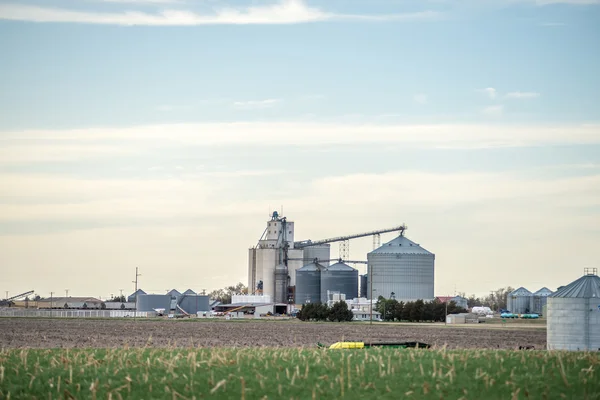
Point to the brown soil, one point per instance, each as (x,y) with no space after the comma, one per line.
(51,333)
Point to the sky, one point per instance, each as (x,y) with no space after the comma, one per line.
(161,134)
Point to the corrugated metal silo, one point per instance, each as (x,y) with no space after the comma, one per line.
(150,302)
(574,316)
(131,297)
(520,301)
(321,253)
(339,277)
(402,267)
(281,283)
(308,283)
(363,285)
(194,303)
(539,300)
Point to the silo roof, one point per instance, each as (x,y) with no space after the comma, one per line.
(585,287)
(311,267)
(543,292)
(189,291)
(401,245)
(521,292)
(173,292)
(339,266)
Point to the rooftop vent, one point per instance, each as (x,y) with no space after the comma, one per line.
(590,271)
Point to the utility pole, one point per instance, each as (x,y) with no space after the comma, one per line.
(66,292)
(6,295)
(51,300)
(136,293)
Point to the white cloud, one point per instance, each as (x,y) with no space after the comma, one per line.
(490,91)
(522,95)
(420,98)
(282,12)
(79,144)
(493,111)
(55,197)
(256,104)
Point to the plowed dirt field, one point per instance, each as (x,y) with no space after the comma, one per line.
(82,333)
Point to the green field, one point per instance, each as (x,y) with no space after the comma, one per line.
(255,373)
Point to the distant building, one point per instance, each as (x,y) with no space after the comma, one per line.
(78,303)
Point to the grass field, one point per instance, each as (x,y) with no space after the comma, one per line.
(255,373)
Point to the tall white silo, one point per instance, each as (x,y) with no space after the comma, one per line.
(269,253)
(574,316)
(401,267)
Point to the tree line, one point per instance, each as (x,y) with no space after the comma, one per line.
(496,300)
(224,295)
(339,312)
(415,311)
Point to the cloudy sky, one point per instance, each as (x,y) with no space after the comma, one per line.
(159,134)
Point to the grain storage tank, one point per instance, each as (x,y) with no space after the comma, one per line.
(539,300)
(574,316)
(520,301)
(308,283)
(131,297)
(321,253)
(192,303)
(151,302)
(281,283)
(339,277)
(402,267)
(363,286)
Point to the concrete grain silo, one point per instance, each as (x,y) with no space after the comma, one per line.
(339,277)
(308,283)
(402,267)
(574,316)
(519,301)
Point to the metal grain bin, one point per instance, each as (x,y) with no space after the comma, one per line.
(574,316)
(339,277)
(539,300)
(520,301)
(308,283)
(192,304)
(402,267)
(151,302)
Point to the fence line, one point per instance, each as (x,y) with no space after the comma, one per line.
(74,313)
